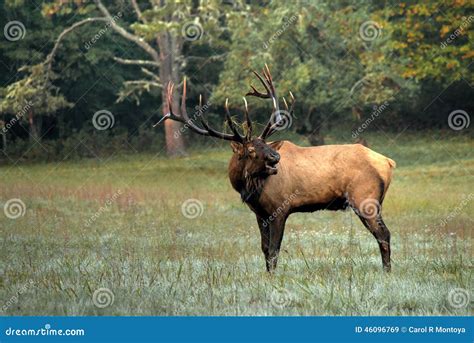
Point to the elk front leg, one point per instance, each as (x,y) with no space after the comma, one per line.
(277,227)
(265,237)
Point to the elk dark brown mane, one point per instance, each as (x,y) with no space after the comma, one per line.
(276,179)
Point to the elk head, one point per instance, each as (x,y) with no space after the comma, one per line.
(253,156)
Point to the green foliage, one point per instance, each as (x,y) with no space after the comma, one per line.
(431,40)
(342,58)
(34,90)
(418,59)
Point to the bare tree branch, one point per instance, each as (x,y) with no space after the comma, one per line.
(150,73)
(49,59)
(143,83)
(127,35)
(208,59)
(356,84)
(134,89)
(138,11)
(137,62)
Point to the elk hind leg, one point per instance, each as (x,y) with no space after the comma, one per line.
(368,205)
(379,230)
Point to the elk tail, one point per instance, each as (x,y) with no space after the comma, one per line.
(391,163)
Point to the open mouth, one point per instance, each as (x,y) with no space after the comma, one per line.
(271,170)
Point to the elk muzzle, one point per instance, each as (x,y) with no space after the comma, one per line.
(271,160)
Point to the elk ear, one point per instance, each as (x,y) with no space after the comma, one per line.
(276,145)
(237,148)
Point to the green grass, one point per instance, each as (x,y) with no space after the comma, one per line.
(155,261)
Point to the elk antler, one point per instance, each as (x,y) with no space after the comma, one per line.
(248,136)
(184,118)
(274,127)
(267,82)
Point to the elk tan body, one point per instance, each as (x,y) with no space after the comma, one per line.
(277,179)
(322,176)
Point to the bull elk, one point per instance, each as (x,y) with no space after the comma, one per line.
(276,179)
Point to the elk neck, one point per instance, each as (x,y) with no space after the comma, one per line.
(249,187)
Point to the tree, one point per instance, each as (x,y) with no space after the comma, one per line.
(160,32)
(411,53)
(32,97)
(308,55)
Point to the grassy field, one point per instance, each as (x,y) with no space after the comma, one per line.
(109,237)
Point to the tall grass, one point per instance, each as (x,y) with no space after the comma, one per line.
(156,261)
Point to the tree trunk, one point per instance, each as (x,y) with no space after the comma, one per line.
(35,126)
(315,137)
(311,128)
(4,134)
(169,71)
(4,141)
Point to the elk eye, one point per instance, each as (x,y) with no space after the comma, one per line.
(252,152)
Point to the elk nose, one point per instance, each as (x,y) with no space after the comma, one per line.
(274,157)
